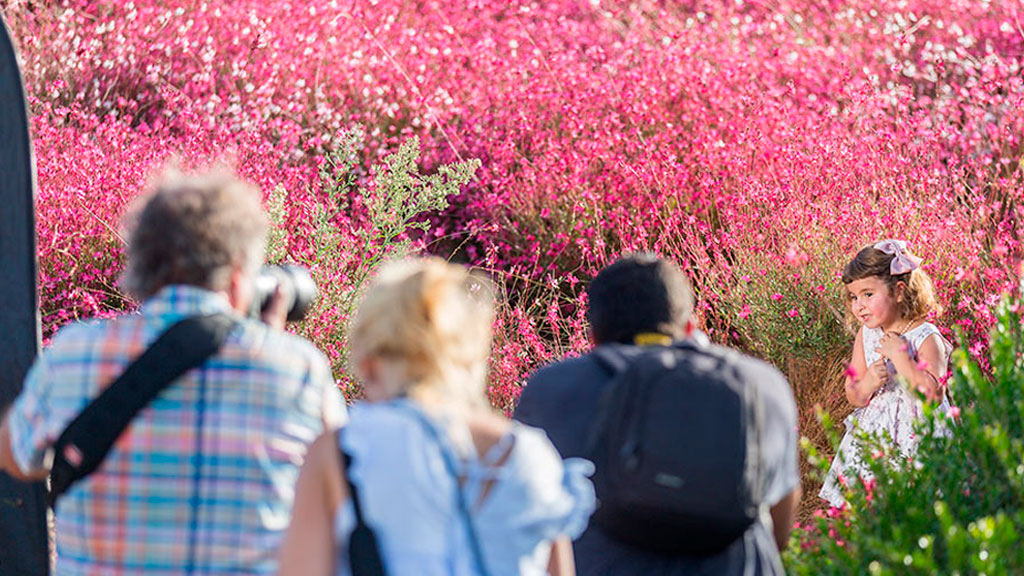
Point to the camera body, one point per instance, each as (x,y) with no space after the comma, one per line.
(297,288)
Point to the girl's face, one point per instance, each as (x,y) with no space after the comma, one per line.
(874,305)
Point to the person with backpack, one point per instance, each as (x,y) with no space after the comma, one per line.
(695,445)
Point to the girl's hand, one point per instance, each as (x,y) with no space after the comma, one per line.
(859,392)
(879,372)
(892,346)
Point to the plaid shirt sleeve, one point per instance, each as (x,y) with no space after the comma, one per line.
(335,414)
(332,402)
(30,419)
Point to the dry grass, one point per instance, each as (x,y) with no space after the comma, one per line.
(817,382)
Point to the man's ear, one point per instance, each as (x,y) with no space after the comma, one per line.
(239,290)
(689,328)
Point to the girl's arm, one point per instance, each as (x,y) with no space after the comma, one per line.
(860,388)
(927,372)
(561,562)
(308,547)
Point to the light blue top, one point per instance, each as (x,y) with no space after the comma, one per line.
(408,495)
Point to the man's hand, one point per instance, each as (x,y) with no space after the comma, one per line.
(7,461)
(277,309)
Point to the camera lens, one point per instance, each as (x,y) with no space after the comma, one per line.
(297,288)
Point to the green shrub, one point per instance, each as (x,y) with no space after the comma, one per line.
(355,219)
(954,507)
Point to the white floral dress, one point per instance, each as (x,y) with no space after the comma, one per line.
(892,409)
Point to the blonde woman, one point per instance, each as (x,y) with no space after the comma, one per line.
(447,486)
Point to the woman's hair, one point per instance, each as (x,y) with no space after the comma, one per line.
(193,230)
(918,293)
(433,321)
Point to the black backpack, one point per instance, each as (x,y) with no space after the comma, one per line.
(675,443)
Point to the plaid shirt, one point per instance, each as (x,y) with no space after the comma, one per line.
(202,481)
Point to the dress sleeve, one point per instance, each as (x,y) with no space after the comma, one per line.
(927,331)
(538,495)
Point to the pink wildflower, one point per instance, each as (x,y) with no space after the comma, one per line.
(795,256)
(851,372)
(869,489)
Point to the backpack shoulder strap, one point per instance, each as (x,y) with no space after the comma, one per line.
(84,444)
(615,360)
(612,358)
(750,395)
(364,556)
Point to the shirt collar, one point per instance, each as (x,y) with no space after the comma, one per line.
(182,300)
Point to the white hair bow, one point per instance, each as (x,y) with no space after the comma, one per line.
(903,261)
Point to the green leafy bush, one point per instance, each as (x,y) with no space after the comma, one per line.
(356,217)
(954,507)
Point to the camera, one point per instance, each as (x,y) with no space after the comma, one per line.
(297,288)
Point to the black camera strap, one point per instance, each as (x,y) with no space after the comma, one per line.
(364,549)
(84,444)
(364,556)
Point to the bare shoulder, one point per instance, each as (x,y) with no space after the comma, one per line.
(487,429)
(858,357)
(934,347)
(323,461)
(322,450)
(858,340)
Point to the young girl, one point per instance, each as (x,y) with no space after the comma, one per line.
(895,355)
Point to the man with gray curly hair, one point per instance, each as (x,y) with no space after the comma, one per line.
(206,231)
(201,481)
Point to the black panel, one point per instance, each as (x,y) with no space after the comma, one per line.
(23,538)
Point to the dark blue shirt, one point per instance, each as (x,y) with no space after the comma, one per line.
(563,398)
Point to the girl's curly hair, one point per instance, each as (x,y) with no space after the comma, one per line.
(918,292)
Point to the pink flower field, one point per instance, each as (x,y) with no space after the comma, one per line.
(758,142)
